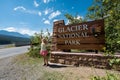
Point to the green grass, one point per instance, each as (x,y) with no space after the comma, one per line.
(78,51)
(53,76)
(34,65)
(26,59)
(109,76)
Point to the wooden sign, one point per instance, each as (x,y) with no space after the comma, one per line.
(85,36)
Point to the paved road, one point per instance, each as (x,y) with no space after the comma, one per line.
(13,51)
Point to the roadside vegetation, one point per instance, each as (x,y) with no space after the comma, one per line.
(29,68)
(109,76)
(109,11)
(34,50)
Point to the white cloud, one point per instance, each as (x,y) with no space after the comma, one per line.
(31,12)
(24,10)
(39,13)
(47,22)
(55,20)
(54,14)
(68,22)
(10,29)
(27,31)
(72,7)
(48,11)
(23,24)
(47,1)
(19,8)
(20,30)
(36,4)
(43,19)
(79,17)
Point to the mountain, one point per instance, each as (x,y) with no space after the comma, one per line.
(18,41)
(15,34)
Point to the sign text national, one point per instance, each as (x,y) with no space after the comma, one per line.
(86,36)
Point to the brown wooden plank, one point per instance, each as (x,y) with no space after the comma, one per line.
(82,40)
(78,35)
(88,32)
(83,47)
(90,24)
(83,34)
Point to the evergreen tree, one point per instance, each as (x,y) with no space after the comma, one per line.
(109,10)
(73,19)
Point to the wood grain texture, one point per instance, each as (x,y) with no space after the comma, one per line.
(61,33)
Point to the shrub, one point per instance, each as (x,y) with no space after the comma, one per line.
(109,76)
(115,63)
(34,50)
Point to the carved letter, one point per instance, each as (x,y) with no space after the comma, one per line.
(85,27)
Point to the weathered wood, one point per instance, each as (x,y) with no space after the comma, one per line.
(59,23)
(82,40)
(82,47)
(89,35)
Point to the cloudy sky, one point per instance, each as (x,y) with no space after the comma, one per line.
(30,16)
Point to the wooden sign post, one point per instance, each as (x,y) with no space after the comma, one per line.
(83,36)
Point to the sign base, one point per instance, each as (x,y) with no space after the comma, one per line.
(81,59)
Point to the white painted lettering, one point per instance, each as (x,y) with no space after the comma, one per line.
(85,27)
(72,42)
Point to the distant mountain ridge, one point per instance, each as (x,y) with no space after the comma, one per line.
(14,38)
(18,41)
(15,34)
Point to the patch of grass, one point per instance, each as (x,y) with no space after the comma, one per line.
(58,75)
(109,76)
(78,51)
(26,59)
(53,76)
(34,65)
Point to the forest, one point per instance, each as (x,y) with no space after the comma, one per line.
(18,41)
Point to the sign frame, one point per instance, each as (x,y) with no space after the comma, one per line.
(83,36)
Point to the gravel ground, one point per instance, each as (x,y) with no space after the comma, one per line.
(12,70)
(23,68)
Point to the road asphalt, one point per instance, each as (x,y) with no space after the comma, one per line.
(7,52)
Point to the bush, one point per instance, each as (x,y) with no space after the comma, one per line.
(115,63)
(109,76)
(34,50)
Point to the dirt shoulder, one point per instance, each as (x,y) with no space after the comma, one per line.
(23,67)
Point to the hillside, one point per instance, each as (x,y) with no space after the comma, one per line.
(15,34)
(6,39)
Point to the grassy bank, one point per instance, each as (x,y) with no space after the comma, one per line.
(32,69)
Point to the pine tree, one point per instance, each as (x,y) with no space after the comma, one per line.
(109,10)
